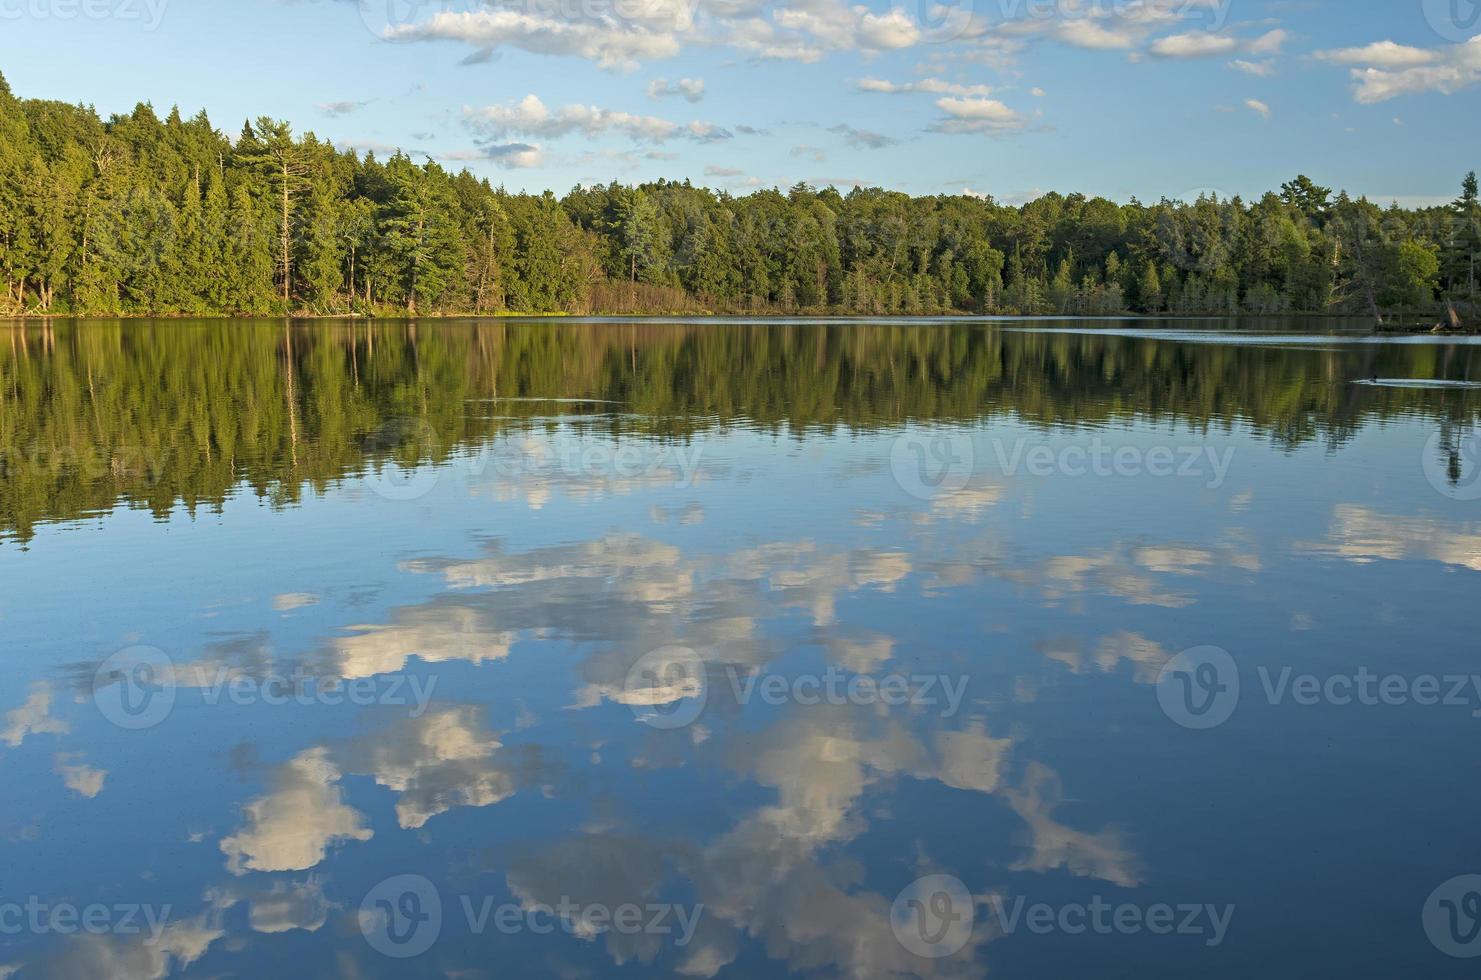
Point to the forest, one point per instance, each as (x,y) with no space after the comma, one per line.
(139,215)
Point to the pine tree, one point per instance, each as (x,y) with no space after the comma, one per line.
(269,148)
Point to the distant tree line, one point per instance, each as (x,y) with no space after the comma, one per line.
(142,215)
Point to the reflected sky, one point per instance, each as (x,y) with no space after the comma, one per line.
(749,627)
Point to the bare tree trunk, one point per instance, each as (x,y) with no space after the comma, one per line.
(287,267)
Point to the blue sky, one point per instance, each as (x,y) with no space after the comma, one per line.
(1002,97)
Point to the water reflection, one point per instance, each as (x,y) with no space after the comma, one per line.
(180,413)
(576,618)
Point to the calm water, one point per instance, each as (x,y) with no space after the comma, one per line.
(743,650)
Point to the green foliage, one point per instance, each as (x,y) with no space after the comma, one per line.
(139,215)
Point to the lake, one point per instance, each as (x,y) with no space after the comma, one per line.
(738,649)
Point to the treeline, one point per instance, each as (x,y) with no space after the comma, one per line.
(142,215)
(165,414)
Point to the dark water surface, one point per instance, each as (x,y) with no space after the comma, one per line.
(738,649)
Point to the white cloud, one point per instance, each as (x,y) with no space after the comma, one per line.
(531,117)
(1193,45)
(79,777)
(289,905)
(933,86)
(977,116)
(1268,44)
(1088,34)
(1383,54)
(1205,44)
(281,906)
(623,38)
(703,132)
(1457,67)
(1260,69)
(444,759)
(611,43)
(842,28)
(32,718)
(689,89)
(291,828)
(1255,105)
(884,33)
(1110,27)
(1361,535)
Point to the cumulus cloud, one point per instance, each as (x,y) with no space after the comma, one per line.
(435,633)
(1390,70)
(531,117)
(620,44)
(291,828)
(1089,34)
(977,116)
(843,28)
(1256,106)
(802,30)
(446,758)
(689,89)
(1102,27)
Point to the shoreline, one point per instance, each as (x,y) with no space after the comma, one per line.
(780,317)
